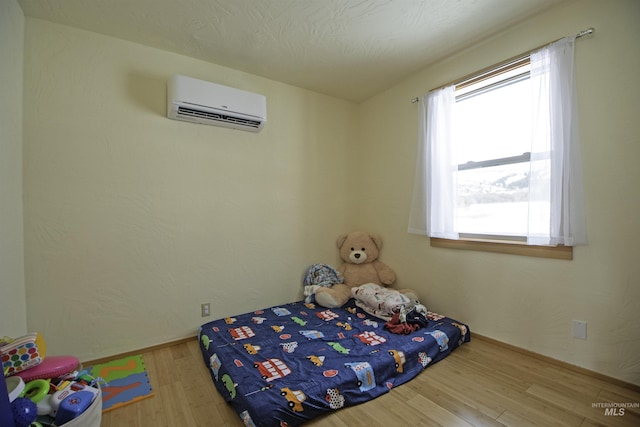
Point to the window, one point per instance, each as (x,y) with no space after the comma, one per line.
(492,135)
(499,155)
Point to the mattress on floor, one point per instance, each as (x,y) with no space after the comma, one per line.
(284,365)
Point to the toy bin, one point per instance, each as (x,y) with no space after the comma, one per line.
(91,417)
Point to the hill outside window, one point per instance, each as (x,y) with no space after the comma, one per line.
(499,156)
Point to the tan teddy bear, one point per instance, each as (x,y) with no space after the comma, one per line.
(359,251)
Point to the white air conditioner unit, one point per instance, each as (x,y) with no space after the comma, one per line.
(198,101)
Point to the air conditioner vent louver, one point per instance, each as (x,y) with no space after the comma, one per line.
(199,101)
(190,112)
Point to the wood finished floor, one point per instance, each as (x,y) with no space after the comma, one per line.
(479,384)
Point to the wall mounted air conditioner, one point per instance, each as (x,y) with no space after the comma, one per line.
(198,101)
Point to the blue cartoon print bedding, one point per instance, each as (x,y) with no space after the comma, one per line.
(285,365)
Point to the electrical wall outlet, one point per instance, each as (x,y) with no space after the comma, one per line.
(205,310)
(580,329)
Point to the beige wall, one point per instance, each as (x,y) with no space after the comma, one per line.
(133,220)
(13,318)
(524,301)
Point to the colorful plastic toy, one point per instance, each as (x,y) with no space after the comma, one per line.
(15,387)
(24,411)
(23,353)
(51,367)
(35,390)
(73,405)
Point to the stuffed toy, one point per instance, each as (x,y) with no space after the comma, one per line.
(359,251)
(318,276)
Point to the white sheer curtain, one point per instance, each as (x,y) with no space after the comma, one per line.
(556,207)
(556,144)
(433,210)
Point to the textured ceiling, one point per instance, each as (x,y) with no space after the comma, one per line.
(350,49)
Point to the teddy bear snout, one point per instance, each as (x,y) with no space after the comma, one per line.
(358,257)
